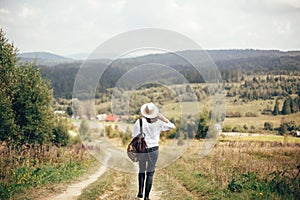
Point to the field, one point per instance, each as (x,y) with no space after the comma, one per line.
(235,169)
(259,166)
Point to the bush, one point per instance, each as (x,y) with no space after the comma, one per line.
(250,114)
(233,114)
(227,128)
(238,128)
(60,132)
(287,127)
(269,126)
(84,130)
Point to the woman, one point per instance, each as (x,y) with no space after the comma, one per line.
(152,124)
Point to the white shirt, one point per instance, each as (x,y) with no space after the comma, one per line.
(152,130)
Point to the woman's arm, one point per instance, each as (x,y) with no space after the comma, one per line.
(162,118)
(167,125)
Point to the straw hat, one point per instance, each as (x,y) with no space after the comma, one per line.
(149,110)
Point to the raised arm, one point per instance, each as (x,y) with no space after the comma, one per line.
(167,125)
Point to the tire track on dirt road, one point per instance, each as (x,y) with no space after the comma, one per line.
(74,190)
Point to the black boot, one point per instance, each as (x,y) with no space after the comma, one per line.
(147,191)
(141,185)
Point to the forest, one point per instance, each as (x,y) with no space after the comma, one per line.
(234,66)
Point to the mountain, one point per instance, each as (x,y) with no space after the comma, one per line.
(229,63)
(43,58)
(79,56)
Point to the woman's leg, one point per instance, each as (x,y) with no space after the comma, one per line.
(152,159)
(141,175)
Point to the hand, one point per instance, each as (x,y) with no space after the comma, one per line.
(162,118)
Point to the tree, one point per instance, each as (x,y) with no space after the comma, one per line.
(32,106)
(25,108)
(276,108)
(69,111)
(8,58)
(7,125)
(294,105)
(203,125)
(286,108)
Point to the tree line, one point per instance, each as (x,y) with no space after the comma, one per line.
(265,88)
(290,105)
(232,69)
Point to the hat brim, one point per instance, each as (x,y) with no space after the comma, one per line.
(153,115)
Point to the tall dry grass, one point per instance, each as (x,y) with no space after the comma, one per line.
(31,166)
(241,169)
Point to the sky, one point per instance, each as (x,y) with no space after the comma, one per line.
(68,27)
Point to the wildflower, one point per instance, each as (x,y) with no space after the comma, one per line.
(260,193)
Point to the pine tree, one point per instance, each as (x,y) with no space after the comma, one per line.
(276,108)
(286,108)
(294,105)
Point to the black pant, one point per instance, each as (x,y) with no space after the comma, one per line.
(147,162)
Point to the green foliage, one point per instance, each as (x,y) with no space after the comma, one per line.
(126,137)
(286,108)
(281,183)
(203,124)
(32,108)
(287,127)
(269,126)
(60,132)
(7,125)
(276,108)
(85,131)
(69,111)
(264,88)
(26,116)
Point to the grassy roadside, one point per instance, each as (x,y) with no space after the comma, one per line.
(239,170)
(25,171)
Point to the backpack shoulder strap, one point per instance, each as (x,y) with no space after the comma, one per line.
(141,126)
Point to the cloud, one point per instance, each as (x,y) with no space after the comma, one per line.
(66,27)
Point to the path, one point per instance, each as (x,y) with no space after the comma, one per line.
(74,190)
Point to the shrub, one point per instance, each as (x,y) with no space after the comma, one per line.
(250,114)
(269,126)
(233,114)
(227,128)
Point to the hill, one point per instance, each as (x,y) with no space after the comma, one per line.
(231,63)
(43,58)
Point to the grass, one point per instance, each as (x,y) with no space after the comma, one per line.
(254,167)
(239,170)
(261,138)
(111,185)
(30,167)
(261,119)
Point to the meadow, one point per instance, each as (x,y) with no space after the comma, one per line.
(235,169)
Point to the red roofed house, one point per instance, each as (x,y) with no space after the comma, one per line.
(111,118)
